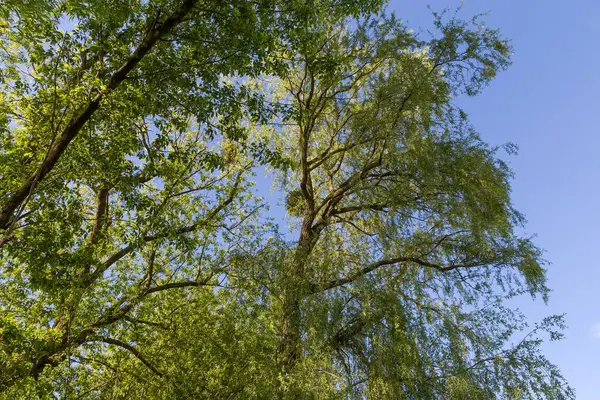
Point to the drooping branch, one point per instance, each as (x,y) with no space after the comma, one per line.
(391,261)
(361,207)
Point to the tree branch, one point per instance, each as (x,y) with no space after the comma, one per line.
(390,261)
(155,32)
(101,215)
(149,238)
(175,285)
(129,348)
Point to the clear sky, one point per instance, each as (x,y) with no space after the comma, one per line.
(548,103)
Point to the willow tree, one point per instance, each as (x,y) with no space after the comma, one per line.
(135,260)
(407,238)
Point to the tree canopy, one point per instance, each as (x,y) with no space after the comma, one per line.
(138,260)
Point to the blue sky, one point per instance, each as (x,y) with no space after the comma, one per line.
(548,103)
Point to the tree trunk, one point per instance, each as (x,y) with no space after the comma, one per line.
(296,286)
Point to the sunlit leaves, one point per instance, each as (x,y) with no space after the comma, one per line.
(145,265)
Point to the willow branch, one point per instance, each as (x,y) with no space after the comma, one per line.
(391,261)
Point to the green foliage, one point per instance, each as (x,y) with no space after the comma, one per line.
(137,261)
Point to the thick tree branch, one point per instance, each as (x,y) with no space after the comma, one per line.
(59,146)
(149,270)
(101,215)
